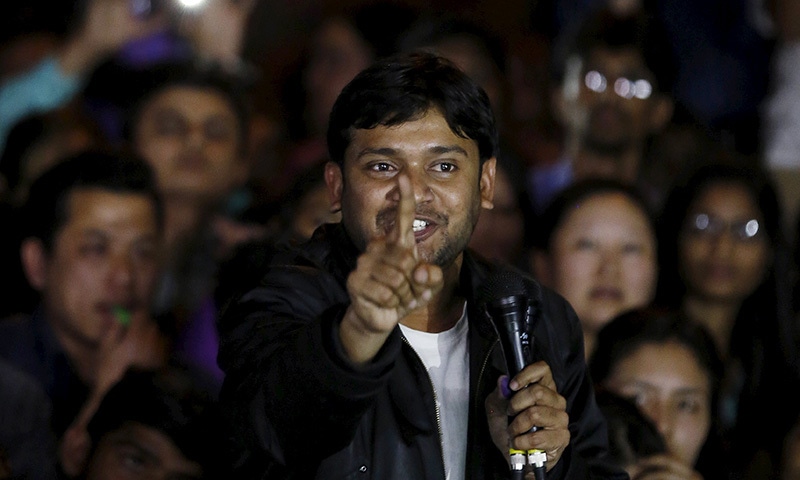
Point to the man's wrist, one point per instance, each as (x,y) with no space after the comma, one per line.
(359,344)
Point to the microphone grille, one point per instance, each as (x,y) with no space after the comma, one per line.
(503,282)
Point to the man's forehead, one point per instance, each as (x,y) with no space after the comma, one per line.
(173,95)
(82,200)
(617,59)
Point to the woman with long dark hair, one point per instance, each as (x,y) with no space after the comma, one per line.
(725,265)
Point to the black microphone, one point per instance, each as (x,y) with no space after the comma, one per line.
(509,306)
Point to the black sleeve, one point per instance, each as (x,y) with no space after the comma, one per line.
(291,393)
(560,338)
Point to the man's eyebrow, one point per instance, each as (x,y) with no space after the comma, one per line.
(390,152)
(442,149)
(384,151)
(94,232)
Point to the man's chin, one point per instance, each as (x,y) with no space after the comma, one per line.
(443,257)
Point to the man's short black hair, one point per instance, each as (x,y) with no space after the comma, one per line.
(403,88)
(47,207)
(603,28)
(210,77)
(170,402)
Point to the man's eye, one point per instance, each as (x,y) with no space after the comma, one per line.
(632,248)
(170,125)
(689,405)
(381,167)
(218,129)
(145,252)
(132,460)
(93,248)
(446,167)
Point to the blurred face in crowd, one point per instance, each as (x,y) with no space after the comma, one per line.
(602,259)
(609,104)
(139,452)
(724,251)
(449,185)
(191,138)
(338,54)
(668,384)
(104,257)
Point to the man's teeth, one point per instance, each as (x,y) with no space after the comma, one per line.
(419,225)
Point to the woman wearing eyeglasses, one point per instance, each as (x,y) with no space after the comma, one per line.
(724,264)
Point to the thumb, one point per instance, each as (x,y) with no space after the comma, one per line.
(73,450)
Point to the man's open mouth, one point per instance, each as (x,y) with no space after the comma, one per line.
(419,225)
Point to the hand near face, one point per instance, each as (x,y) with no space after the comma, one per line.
(217,28)
(140,344)
(389,282)
(662,467)
(535,401)
(106,27)
(110,24)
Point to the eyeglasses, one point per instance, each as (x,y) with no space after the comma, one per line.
(707,225)
(624,87)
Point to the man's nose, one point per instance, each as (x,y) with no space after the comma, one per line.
(420,186)
(121,270)
(195,135)
(661,416)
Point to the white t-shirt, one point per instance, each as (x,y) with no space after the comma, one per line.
(446,357)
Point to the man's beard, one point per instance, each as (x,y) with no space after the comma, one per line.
(603,147)
(454,243)
(595,141)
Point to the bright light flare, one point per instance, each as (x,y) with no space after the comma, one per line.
(191,4)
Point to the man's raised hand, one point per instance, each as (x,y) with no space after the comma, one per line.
(388,283)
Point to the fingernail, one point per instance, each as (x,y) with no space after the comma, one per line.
(421,275)
(504,387)
(412,304)
(513,385)
(426,295)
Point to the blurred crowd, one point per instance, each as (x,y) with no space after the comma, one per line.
(154,155)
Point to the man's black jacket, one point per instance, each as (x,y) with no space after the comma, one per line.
(300,410)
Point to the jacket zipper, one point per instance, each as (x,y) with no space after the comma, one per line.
(480,375)
(435,406)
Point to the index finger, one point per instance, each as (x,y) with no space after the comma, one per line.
(533,373)
(406,210)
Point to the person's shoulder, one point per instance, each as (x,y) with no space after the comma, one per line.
(18,384)
(328,251)
(15,330)
(298,279)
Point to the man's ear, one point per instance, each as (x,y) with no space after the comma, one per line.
(335,181)
(488,172)
(663,109)
(34,262)
(559,105)
(239,172)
